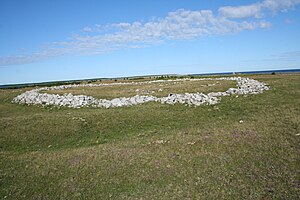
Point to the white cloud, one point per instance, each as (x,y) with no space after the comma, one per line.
(264,24)
(179,25)
(257,10)
(87,29)
(279,5)
(254,10)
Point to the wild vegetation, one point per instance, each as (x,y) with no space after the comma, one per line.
(246,147)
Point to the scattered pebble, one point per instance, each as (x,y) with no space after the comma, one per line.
(160,142)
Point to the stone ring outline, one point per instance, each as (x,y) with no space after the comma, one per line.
(34,97)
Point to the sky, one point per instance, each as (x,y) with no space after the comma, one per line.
(54,40)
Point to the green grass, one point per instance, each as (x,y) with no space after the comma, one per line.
(52,153)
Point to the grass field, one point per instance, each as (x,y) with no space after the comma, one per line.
(155,151)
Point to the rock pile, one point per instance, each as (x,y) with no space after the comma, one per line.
(34,97)
(196,99)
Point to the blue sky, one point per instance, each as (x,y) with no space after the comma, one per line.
(76,39)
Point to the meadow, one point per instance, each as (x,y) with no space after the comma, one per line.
(245,147)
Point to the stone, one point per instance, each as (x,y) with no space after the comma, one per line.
(245,86)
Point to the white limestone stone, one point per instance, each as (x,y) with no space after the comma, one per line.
(245,86)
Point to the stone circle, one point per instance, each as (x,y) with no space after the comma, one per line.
(34,97)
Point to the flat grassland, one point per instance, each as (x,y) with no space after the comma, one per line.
(159,89)
(242,148)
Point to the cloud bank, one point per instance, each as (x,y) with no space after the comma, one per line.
(179,25)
